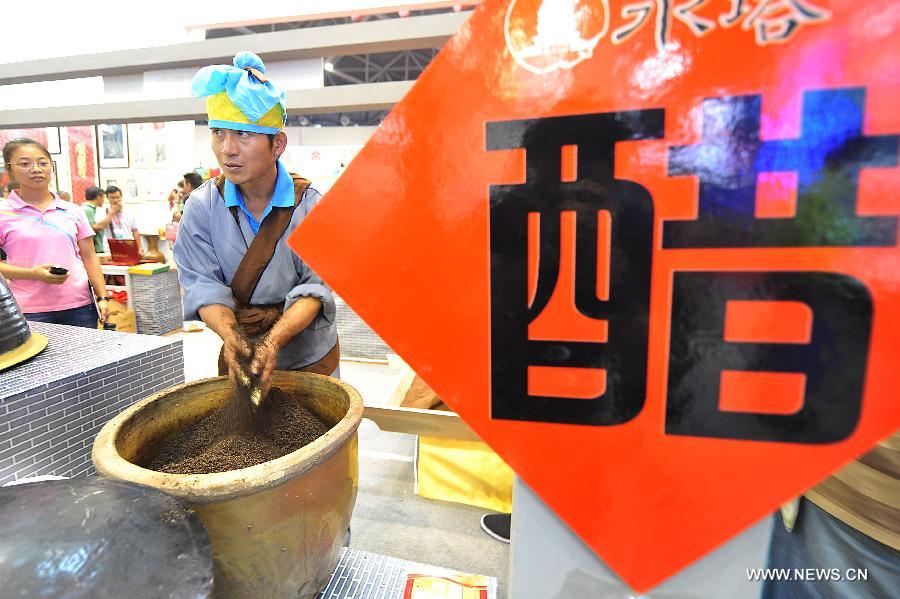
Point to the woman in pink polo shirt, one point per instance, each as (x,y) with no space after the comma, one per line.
(38,231)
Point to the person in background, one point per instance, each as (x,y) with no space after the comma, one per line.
(121,224)
(238,273)
(51,259)
(176,196)
(98,217)
(171,233)
(191,182)
(3,194)
(849,522)
(64,196)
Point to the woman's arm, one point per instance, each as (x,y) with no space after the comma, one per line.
(37,273)
(95,275)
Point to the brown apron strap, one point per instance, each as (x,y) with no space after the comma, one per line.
(262,248)
(328,363)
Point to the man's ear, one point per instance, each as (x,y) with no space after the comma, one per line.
(279,144)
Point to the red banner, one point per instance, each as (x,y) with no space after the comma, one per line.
(82,160)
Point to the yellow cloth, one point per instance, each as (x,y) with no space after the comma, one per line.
(463,472)
(219,107)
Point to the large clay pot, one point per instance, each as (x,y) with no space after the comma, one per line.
(277,528)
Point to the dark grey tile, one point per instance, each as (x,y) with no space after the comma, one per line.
(62,387)
(20,436)
(7,454)
(38,421)
(19,422)
(23,459)
(46,437)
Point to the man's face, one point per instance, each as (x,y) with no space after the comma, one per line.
(100,199)
(115,199)
(245,156)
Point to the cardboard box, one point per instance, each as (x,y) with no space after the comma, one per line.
(122,317)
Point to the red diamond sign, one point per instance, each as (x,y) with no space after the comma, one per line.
(645,251)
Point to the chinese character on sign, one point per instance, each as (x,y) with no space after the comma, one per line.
(638,12)
(665,11)
(520,361)
(698,25)
(527,226)
(773,21)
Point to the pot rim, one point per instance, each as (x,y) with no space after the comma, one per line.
(205,488)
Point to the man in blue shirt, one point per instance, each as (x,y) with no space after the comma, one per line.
(238,274)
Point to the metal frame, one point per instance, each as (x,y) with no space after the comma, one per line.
(372,58)
(334,99)
(366,37)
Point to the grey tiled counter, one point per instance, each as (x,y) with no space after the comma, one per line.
(157,302)
(52,406)
(356,338)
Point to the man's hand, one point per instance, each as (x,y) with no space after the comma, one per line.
(263,363)
(42,273)
(237,352)
(295,319)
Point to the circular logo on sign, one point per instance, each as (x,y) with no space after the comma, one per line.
(546,35)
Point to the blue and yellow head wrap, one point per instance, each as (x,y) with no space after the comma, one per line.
(241,97)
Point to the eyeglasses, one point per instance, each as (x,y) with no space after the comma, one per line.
(27,165)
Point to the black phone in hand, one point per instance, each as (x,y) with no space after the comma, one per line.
(58,270)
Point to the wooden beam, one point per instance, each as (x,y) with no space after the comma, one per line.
(432,423)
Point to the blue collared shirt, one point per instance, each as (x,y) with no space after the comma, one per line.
(283,197)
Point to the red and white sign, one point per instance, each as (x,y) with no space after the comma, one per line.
(646,251)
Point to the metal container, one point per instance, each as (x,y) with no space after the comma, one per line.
(17,342)
(277,528)
(14,330)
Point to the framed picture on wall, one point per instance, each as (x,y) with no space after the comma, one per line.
(131,188)
(113,146)
(53,145)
